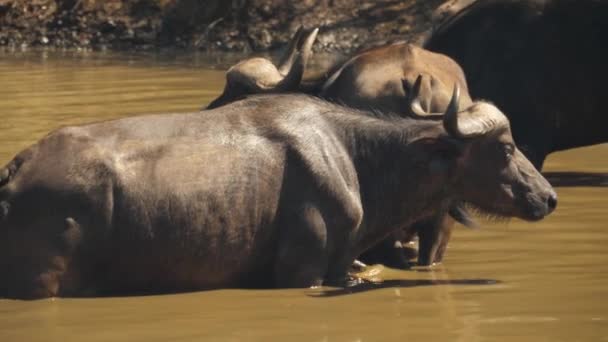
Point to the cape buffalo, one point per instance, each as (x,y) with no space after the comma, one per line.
(374,79)
(543,62)
(382,79)
(270,191)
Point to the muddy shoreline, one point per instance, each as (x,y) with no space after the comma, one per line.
(211,25)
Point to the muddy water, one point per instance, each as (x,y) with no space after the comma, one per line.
(546,281)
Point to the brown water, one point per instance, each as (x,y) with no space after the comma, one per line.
(546,281)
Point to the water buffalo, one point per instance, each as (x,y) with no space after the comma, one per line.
(543,62)
(270,191)
(382,79)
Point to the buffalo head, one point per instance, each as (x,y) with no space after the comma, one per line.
(491,174)
(259,75)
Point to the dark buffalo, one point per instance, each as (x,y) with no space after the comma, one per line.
(382,79)
(542,62)
(271,191)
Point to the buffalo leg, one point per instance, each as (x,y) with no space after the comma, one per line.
(302,255)
(434,235)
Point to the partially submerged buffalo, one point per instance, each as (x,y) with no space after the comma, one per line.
(542,62)
(271,191)
(386,79)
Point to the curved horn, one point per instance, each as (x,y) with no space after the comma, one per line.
(478,120)
(413,99)
(300,43)
(292,80)
(306,46)
(260,75)
(292,68)
(450,117)
(289,56)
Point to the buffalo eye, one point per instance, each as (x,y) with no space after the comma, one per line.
(508,149)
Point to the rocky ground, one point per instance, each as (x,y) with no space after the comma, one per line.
(230,25)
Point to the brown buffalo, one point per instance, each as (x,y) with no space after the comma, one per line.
(260,76)
(270,191)
(374,79)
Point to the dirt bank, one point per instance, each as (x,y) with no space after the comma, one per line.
(232,25)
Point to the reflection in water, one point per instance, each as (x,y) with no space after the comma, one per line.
(577,178)
(546,281)
(368,286)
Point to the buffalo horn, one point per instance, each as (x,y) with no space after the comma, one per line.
(414,102)
(290,54)
(294,61)
(478,120)
(450,117)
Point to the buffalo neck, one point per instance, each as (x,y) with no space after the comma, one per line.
(396,185)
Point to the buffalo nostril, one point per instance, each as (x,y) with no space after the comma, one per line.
(552,202)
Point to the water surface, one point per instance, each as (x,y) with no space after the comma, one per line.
(545,281)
